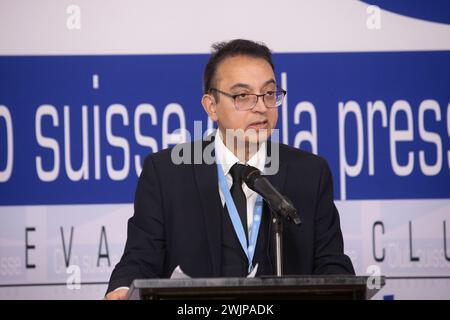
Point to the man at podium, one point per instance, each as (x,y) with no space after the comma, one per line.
(203,217)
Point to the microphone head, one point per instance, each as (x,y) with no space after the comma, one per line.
(249,175)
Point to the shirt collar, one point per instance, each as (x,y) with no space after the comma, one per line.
(227,159)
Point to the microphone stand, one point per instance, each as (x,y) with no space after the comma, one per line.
(277,221)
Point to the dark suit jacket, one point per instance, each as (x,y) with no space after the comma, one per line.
(177,220)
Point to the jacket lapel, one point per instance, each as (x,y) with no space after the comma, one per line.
(277,180)
(207,184)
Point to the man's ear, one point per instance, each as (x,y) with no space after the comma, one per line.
(209,104)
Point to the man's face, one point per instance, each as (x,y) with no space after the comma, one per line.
(239,75)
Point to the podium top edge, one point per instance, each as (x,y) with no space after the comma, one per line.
(258,281)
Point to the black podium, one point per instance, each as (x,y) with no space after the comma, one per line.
(298,287)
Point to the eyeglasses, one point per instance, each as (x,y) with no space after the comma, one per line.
(247,101)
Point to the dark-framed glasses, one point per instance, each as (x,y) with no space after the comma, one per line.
(247,101)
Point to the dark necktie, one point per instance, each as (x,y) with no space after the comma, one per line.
(240,201)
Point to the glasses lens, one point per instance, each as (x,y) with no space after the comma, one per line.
(245,101)
(270,99)
(279,98)
(273,99)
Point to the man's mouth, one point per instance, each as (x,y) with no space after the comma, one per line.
(258,125)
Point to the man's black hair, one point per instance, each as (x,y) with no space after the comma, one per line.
(237,47)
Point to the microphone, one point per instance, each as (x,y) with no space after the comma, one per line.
(276,201)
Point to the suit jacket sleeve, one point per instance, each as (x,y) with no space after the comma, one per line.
(145,247)
(329,257)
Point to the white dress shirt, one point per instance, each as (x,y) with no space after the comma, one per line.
(227,159)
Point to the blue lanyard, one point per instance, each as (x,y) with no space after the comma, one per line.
(235,219)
